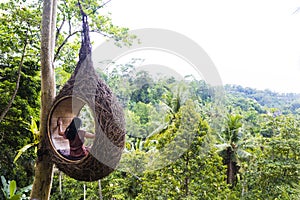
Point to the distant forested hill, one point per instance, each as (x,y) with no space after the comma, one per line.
(285,102)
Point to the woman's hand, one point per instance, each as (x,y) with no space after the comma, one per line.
(59,126)
(59,121)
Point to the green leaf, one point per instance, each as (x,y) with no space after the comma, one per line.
(3,180)
(222,147)
(25,189)
(5,187)
(34,129)
(16,197)
(12,188)
(243,154)
(22,150)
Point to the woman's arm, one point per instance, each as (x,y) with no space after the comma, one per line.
(89,135)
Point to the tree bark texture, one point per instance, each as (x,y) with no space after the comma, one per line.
(100,190)
(231,168)
(44,167)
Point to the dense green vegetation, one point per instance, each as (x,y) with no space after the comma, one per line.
(180,144)
(173,152)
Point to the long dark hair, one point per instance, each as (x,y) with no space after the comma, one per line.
(73,128)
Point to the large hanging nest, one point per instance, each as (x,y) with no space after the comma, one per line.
(85,88)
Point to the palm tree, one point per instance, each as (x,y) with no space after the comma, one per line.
(231,148)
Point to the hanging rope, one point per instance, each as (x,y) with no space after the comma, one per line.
(86,47)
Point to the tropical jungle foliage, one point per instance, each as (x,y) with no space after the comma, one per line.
(180,143)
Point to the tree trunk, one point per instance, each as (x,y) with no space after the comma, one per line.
(60,183)
(84,191)
(44,167)
(187,176)
(100,190)
(230,172)
(230,175)
(2,115)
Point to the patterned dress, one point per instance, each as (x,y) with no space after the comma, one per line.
(77,148)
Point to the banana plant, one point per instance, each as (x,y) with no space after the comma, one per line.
(36,134)
(10,191)
(233,141)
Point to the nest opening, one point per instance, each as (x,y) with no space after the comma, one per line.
(67,108)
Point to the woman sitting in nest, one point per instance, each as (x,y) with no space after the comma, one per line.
(75,137)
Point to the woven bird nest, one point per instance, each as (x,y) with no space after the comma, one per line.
(85,88)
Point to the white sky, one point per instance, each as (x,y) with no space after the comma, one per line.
(254,43)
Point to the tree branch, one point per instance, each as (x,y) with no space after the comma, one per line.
(17,84)
(63,43)
(60,27)
(101,6)
(101,33)
(74,33)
